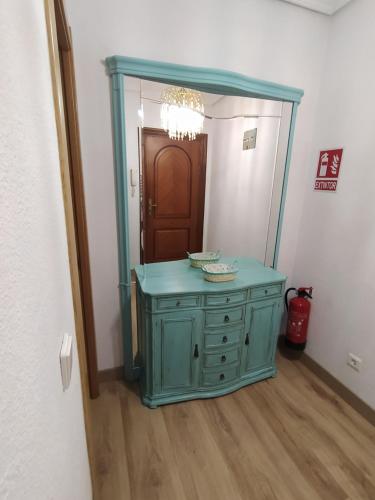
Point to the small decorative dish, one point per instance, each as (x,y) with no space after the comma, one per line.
(220,272)
(199,259)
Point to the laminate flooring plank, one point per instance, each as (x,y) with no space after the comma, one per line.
(288,470)
(204,470)
(287,438)
(336,428)
(291,427)
(153,472)
(342,451)
(338,410)
(111,479)
(254,469)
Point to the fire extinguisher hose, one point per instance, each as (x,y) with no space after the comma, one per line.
(286,297)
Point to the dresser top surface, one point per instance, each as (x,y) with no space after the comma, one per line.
(164,278)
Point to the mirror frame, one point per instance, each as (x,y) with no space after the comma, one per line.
(206,80)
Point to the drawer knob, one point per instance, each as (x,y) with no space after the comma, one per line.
(226,318)
(266,291)
(222,376)
(225,339)
(178,303)
(228,299)
(223,358)
(247,339)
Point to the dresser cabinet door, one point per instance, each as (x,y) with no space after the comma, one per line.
(261,336)
(178,351)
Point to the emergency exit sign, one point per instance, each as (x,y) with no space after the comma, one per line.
(328,170)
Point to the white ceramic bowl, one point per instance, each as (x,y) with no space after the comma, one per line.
(199,259)
(219,272)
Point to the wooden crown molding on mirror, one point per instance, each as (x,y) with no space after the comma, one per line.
(216,81)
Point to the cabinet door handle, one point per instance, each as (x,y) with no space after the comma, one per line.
(196,352)
(222,376)
(223,358)
(225,339)
(247,339)
(226,318)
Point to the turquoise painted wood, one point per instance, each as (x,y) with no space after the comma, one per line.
(204,79)
(119,140)
(217,81)
(198,339)
(285,182)
(176,339)
(258,352)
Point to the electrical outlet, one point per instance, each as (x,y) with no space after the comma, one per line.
(354,362)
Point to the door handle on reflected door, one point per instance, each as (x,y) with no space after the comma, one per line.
(151,206)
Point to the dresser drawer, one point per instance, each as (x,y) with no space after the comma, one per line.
(221,358)
(176,302)
(228,298)
(262,292)
(223,339)
(223,317)
(219,377)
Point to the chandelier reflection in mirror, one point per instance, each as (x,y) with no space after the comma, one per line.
(182,113)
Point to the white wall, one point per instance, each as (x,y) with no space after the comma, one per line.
(336,246)
(42,436)
(241,181)
(265,39)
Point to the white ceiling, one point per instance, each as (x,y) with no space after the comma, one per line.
(328,7)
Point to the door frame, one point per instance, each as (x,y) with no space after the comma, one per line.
(202,186)
(216,81)
(69,100)
(56,26)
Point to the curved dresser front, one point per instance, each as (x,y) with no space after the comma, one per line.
(198,339)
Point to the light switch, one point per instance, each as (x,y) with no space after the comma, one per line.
(66,360)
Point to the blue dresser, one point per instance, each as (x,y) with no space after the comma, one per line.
(198,339)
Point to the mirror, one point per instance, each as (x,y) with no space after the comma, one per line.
(221,191)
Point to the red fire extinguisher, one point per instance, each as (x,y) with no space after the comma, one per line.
(298,318)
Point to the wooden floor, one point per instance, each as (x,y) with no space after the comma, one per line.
(285,438)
